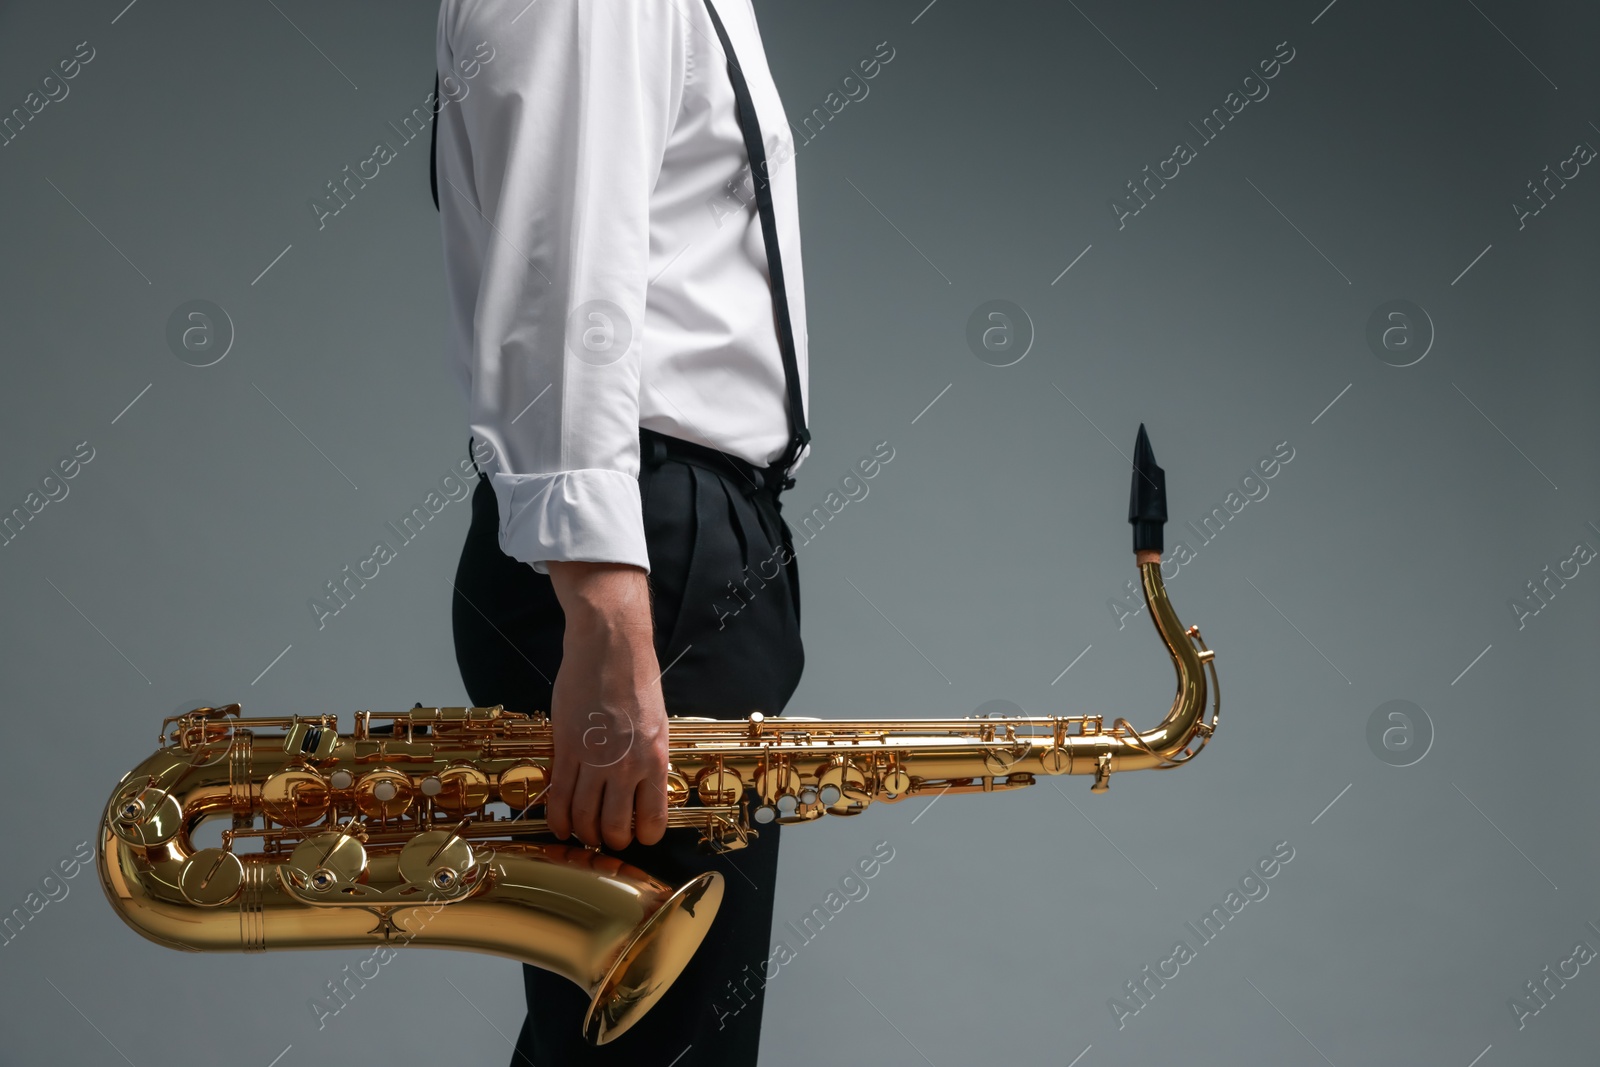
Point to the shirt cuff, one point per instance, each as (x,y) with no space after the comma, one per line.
(593,515)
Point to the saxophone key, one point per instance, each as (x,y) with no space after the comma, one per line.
(327,862)
(895,782)
(311,740)
(843,788)
(1056,760)
(522,785)
(677,788)
(1102,774)
(297,796)
(720,786)
(776,781)
(1001,756)
(438,861)
(461,788)
(146,816)
(211,878)
(384,794)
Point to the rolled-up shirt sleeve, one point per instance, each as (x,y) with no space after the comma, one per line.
(547,158)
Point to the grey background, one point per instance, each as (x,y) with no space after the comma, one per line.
(1379,568)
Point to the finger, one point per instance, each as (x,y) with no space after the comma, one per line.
(617,815)
(558,799)
(650,812)
(586,801)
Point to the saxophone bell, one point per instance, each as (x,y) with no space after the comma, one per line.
(358,881)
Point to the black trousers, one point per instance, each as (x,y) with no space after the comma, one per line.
(727,651)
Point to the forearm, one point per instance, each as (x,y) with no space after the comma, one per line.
(605,603)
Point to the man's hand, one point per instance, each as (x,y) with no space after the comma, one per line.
(608,781)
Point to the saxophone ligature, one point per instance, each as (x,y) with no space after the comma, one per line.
(385,834)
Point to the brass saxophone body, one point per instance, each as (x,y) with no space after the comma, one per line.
(385,835)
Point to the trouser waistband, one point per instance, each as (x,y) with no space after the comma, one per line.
(656,448)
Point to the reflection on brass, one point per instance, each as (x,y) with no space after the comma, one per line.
(463,788)
(211,877)
(385,793)
(350,835)
(523,784)
(295,797)
(719,785)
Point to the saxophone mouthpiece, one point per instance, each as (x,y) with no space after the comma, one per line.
(1147,502)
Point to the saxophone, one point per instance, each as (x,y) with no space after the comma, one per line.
(383,835)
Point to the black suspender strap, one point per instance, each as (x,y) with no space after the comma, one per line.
(799,435)
(433,146)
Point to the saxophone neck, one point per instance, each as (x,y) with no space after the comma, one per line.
(1147,513)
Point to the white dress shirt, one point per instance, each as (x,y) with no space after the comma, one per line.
(603,254)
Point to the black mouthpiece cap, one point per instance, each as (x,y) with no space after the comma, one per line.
(1147,501)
